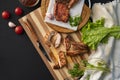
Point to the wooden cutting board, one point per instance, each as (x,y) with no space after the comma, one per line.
(40,28)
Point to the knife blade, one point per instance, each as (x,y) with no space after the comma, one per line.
(34,34)
(43,51)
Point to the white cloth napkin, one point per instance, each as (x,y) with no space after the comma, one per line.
(111,51)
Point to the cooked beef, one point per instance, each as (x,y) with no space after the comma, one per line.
(61,12)
(62,1)
(56,66)
(53,38)
(57,40)
(62,61)
(48,37)
(74,48)
(76,52)
(67,42)
(78,48)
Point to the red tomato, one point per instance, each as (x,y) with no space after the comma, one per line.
(18,11)
(18,30)
(5,14)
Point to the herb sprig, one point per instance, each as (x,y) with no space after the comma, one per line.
(76,71)
(75,20)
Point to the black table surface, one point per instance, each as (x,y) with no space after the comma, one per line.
(19,60)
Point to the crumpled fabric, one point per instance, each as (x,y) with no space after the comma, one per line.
(110,52)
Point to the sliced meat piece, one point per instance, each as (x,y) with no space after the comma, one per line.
(48,37)
(72,2)
(61,12)
(52,33)
(62,1)
(67,42)
(58,40)
(56,66)
(53,38)
(76,52)
(73,53)
(80,46)
(74,48)
(62,59)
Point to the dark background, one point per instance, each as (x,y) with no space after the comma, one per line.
(18,58)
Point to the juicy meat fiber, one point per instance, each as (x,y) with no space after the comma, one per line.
(61,12)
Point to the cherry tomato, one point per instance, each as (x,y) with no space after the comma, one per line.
(18,30)
(18,11)
(5,14)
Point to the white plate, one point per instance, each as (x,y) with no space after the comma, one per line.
(76,10)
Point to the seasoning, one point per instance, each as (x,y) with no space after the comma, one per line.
(29,3)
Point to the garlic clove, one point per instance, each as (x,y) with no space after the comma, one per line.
(50,16)
(11,24)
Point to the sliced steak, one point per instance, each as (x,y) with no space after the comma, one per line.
(62,61)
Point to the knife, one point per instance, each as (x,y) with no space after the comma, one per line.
(34,34)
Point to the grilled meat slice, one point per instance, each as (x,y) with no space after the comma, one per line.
(57,40)
(67,42)
(78,48)
(53,38)
(61,12)
(62,61)
(56,66)
(48,37)
(74,48)
(76,52)
(62,1)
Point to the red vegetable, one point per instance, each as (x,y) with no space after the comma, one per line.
(18,11)
(18,30)
(5,14)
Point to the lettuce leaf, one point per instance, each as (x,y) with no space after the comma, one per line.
(95,33)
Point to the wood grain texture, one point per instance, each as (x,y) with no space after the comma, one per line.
(41,29)
(85,16)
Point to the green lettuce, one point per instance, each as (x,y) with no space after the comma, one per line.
(95,33)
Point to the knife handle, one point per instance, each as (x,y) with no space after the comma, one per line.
(30,29)
(35,37)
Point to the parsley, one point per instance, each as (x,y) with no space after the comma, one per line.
(74,21)
(76,71)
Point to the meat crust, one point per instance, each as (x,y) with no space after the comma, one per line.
(61,12)
(62,61)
